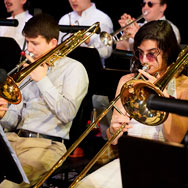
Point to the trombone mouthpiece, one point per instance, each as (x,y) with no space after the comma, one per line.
(145,67)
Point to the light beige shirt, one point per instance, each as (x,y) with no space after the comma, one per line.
(50,105)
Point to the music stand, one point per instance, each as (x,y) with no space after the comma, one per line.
(10,53)
(10,166)
(150,163)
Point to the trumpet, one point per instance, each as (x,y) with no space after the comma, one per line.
(134,95)
(10,90)
(108,39)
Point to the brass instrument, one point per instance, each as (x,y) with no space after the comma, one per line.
(133,95)
(10,90)
(108,39)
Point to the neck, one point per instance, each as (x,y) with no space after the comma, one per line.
(86,7)
(15,13)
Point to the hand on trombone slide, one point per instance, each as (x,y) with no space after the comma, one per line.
(116,122)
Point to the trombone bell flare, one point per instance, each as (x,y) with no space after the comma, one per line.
(134,96)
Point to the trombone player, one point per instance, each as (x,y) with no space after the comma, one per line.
(155,44)
(49,104)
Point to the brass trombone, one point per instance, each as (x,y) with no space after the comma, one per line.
(134,95)
(108,39)
(10,90)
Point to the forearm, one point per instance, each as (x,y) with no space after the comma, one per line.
(175,128)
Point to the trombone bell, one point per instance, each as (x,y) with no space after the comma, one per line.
(134,96)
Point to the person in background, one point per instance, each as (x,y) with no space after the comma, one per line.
(49,103)
(85,13)
(151,10)
(18,9)
(151,47)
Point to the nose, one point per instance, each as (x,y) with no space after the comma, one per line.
(144,59)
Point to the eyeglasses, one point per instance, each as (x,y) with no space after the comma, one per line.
(149,3)
(151,56)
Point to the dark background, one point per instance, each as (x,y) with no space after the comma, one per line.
(176,11)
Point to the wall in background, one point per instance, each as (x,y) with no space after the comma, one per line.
(176,11)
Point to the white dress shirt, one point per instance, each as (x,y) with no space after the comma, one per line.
(50,105)
(175,29)
(16,32)
(89,17)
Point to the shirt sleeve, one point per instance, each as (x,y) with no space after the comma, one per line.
(12,116)
(64,100)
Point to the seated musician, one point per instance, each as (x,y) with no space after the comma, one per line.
(49,104)
(151,10)
(155,45)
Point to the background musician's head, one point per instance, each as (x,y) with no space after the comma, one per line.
(155,9)
(80,5)
(15,7)
(41,33)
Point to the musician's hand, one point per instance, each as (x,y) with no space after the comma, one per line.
(116,124)
(3,107)
(150,78)
(153,79)
(39,73)
(124,20)
(87,41)
(130,31)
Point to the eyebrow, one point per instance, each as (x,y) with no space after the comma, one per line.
(148,50)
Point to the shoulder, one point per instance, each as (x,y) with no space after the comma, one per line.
(72,63)
(64,18)
(182,87)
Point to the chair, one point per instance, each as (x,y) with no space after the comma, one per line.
(119,59)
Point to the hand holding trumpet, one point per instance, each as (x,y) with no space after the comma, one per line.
(130,31)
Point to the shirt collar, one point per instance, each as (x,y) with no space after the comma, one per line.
(21,15)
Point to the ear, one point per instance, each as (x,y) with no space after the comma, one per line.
(23,2)
(163,7)
(54,42)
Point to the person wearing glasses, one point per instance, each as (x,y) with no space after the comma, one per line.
(151,48)
(152,10)
(18,9)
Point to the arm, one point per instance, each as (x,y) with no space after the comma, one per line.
(65,95)
(117,118)
(128,33)
(9,116)
(176,126)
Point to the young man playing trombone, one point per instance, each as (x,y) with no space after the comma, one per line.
(49,103)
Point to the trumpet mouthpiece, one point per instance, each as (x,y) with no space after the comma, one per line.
(145,13)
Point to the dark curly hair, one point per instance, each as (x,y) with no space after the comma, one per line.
(162,32)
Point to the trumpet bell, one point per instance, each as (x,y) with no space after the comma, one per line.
(10,91)
(106,38)
(134,96)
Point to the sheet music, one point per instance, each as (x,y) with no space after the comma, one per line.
(25,179)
